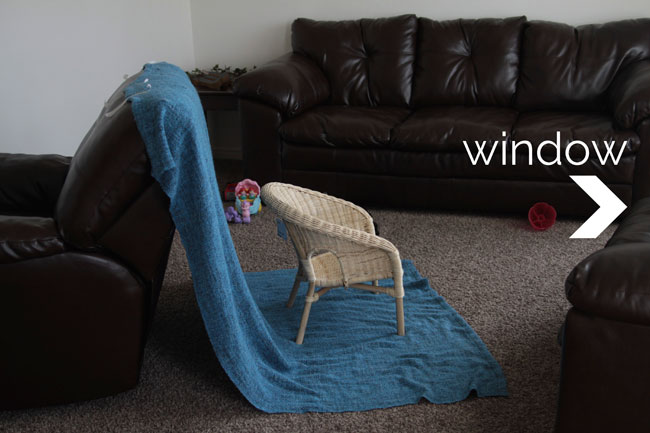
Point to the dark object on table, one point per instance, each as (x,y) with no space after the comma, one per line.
(605,379)
(217,78)
(376,110)
(83,249)
(212,80)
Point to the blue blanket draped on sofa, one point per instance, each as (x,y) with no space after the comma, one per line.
(344,364)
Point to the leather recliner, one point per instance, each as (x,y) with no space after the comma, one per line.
(84,243)
(376,110)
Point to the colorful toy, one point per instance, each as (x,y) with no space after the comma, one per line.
(248,191)
(246,212)
(542,216)
(232,216)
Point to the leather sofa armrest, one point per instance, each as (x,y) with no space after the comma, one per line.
(635,228)
(613,283)
(23,238)
(291,84)
(630,95)
(31,184)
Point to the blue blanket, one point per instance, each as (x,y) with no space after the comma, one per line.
(352,358)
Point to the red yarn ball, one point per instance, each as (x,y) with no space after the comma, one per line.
(542,216)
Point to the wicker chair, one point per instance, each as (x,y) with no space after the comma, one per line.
(336,246)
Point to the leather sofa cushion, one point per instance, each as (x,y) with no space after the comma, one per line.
(23,238)
(443,128)
(587,127)
(467,62)
(571,68)
(367,62)
(451,165)
(344,126)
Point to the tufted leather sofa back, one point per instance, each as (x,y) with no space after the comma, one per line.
(467,62)
(408,61)
(571,68)
(367,62)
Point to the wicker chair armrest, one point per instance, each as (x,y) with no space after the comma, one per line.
(342,235)
(355,250)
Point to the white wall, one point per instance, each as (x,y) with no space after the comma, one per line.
(247,32)
(61,59)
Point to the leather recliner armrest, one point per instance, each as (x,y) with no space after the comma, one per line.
(23,238)
(31,184)
(613,283)
(291,83)
(629,95)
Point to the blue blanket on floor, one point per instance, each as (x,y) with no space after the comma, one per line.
(352,358)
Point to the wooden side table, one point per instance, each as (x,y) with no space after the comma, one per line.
(229,142)
(214,100)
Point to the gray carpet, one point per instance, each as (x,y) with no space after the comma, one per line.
(503,278)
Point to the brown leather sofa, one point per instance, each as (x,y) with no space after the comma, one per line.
(83,249)
(605,380)
(375,110)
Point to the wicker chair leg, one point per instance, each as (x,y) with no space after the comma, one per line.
(305,314)
(294,290)
(399,306)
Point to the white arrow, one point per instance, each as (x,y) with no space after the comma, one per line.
(610,207)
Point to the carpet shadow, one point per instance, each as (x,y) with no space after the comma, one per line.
(178,334)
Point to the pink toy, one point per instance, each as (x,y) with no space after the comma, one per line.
(248,191)
(246,212)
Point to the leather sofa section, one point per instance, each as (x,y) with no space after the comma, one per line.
(443,128)
(466,84)
(340,126)
(74,326)
(291,83)
(445,164)
(30,184)
(367,62)
(604,376)
(630,95)
(96,193)
(457,194)
(23,238)
(467,62)
(571,68)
